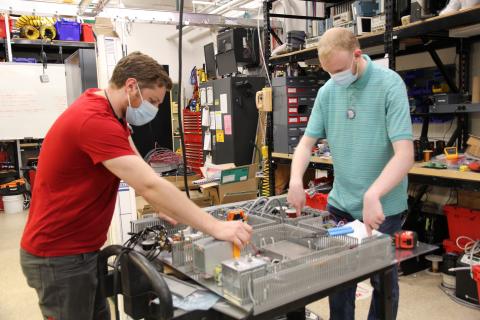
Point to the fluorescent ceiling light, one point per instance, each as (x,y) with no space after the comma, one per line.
(234,14)
(255,4)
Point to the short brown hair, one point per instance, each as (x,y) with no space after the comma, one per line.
(337,39)
(145,69)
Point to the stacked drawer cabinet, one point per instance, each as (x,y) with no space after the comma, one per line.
(293,100)
(192,128)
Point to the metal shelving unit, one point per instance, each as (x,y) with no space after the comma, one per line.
(433,34)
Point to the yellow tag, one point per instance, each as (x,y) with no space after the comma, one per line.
(220,136)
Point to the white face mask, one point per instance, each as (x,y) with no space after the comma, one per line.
(141,115)
(346,77)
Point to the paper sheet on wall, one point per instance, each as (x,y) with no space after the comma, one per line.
(207,141)
(212,120)
(224,103)
(220,136)
(218,120)
(227,124)
(209,96)
(205,117)
(203,96)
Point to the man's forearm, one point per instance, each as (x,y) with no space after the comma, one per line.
(393,173)
(301,159)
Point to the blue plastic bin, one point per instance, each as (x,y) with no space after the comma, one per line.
(67,30)
(25,60)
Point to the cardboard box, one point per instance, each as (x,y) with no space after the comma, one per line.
(473,148)
(233,191)
(178,181)
(104,27)
(469,199)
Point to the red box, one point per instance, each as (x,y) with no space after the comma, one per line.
(87,33)
(451,247)
(317,201)
(462,222)
(3,34)
(476,277)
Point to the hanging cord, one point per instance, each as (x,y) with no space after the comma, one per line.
(179,105)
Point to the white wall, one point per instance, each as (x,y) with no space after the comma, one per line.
(151,39)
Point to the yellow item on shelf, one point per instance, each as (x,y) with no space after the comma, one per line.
(265,188)
(35,21)
(48,32)
(30,32)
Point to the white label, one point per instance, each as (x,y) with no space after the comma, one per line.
(209,96)
(207,141)
(292,100)
(292,110)
(203,96)
(205,117)
(212,120)
(229,178)
(292,120)
(223,103)
(303,119)
(218,120)
(292,90)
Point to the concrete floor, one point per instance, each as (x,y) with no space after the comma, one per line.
(420,297)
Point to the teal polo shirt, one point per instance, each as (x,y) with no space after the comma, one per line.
(361,122)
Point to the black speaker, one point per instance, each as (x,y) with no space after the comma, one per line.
(158,132)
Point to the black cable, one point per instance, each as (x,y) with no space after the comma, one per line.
(179,104)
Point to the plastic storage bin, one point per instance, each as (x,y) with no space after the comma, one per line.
(87,33)
(68,30)
(13,204)
(25,60)
(3,34)
(461,222)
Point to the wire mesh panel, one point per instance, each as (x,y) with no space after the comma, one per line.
(319,273)
(141,224)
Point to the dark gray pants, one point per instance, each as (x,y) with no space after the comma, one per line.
(67,286)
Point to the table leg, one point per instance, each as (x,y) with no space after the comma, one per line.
(386,303)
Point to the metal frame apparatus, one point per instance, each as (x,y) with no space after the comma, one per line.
(433,32)
(280,256)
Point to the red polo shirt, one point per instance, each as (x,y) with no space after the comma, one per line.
(74,195)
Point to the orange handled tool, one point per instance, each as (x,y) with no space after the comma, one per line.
(232,215)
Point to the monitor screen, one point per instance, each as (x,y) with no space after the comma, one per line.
(226,63)
(210,64)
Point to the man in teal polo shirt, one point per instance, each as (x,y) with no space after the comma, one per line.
(364,114)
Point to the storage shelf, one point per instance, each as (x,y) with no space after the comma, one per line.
(426,27)
(54,43)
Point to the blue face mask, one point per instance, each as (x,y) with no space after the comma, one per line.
(141,115)
(346,77)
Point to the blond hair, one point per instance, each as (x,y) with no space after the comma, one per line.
(336,39)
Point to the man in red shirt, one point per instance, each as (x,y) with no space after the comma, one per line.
(84,155)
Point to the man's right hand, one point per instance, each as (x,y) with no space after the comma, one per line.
(296,196)
(237,232)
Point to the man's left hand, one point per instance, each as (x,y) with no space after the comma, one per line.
(373,215)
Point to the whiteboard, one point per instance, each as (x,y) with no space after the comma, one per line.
(28,107)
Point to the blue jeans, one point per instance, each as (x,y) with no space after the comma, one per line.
(342,303)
